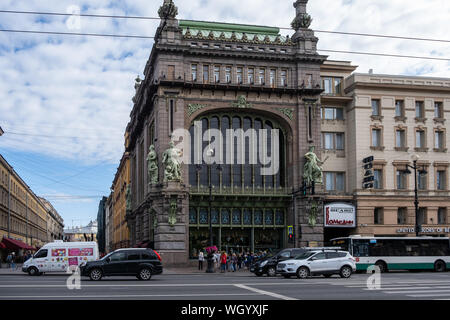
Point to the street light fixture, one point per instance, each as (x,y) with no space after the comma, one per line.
(210,260)
(416,158)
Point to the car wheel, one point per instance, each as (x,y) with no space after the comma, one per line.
(271,272)
(345,272)
(382,266)
(145,274)
(32,271)
(302,273)
(327,275)
(95,274)
(439,266)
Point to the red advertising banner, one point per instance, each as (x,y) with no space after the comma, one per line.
(74,252)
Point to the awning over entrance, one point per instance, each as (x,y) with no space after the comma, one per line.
(16,244)
(2,246)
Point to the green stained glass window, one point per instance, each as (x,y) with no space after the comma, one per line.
(214,216)
(225,216)
(258,217)
(236,216)
(247,217)
(268,217)
(279,218)
(203,216)
(192,216)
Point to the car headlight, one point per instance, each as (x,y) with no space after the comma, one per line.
(263,263)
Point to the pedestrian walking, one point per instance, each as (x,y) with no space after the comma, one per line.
(223,262)
(201,258)
(13,261)
(234,261)
(9,259)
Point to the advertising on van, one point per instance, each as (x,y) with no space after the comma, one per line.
(59,256)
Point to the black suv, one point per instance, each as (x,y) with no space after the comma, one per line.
(142,263)
(268,265)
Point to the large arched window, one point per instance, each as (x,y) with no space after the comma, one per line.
(245,140)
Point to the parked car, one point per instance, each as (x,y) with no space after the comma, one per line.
(318,262)
(142,263)
(268,264)
(58,256)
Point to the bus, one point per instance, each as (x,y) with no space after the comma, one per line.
(397,253)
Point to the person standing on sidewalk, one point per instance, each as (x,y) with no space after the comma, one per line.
(201,258)
(223,262)
(9,259)
(13,261)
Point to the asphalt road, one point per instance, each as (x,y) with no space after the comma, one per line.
(230,286)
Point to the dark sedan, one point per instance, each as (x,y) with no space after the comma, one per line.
(142,263)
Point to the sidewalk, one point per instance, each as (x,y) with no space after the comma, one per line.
(178,271)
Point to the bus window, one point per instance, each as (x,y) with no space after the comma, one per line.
(360,248)
(344,244)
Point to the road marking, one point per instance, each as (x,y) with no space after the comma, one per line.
(272,294)
(430,295)
(132,296)
(418,291)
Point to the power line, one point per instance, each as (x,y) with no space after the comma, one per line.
(83,137)
(77,34)
(145,37)
(283,28)
(81,15)
(385,55)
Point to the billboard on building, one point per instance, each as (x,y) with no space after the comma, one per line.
(340,215)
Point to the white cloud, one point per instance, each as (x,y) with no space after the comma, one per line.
(82,87)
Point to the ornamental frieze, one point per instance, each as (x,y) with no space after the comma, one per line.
(288,112)
(193,107)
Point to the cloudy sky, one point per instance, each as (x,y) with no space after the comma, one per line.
(65,100)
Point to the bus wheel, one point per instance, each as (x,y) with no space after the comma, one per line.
(382,265)
(439,266)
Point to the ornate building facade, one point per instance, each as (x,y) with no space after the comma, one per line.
(226,77)
(228,86)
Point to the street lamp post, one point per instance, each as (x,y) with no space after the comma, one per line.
(415,158)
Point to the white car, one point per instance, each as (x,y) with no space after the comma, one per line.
(318,262)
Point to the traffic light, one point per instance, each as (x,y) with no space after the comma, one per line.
(368,173)
(291,238)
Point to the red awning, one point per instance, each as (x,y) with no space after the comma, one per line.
(2,246)
(16,244)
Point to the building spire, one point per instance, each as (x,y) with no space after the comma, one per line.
(168,10)
(302,19)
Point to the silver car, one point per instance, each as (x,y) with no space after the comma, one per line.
(318,262)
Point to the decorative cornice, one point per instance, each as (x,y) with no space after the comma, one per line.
(241,103)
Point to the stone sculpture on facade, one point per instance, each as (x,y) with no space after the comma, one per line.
(303,19)
(312,171)
(172,163)
(173,212)
(168,10)
(152,165)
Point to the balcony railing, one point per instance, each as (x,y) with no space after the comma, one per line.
(241,191)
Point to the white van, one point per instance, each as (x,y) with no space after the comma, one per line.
(58,256)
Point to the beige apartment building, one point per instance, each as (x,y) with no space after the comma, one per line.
(393,119)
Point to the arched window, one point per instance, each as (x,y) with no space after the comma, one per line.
(247,149)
